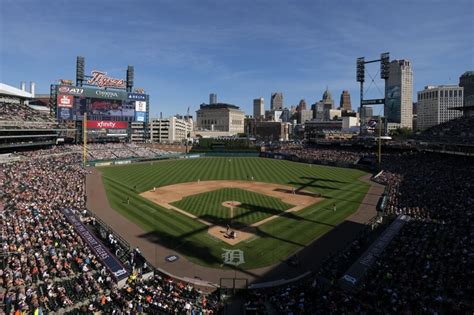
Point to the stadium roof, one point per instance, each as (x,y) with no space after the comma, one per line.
(40,108)
(13,91)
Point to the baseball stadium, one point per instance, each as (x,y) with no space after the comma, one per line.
(107,210)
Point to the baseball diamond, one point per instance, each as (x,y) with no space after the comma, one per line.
(193,190)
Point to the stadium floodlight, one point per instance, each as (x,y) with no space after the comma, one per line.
(79,70)
(130,75)
(361,69)
(384,65)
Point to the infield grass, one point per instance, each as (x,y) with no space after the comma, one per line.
(254,207)
(276,240)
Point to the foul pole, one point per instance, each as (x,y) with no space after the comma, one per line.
(380,144)
(84,140)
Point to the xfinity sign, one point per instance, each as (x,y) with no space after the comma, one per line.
(102,124)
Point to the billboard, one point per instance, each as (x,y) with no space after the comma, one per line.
(392,108)
(91,92)
(101,124)
(100,104)
(137,97)
(140,116)
(65,100)
(64,113)
(111,108)
(140,106)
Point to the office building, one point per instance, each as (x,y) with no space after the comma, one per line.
(435,103)
(345,103)
(327,99)
(212,98)
(221,118)
(258,108)
(304,115)
(321,109)
(267,130)
(301,105)
(169,130)
(398,108)
(466,81)
(276,102)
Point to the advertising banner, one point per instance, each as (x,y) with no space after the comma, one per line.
(111,262)
(91,92)
(101,124)
(140,116)
(65,100)
(140,106)
(357,271)
(392,109)
(137,97)
(64,113)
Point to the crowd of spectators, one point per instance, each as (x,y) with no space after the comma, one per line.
(427,268)
(102,151)
(342,156)
(23,113)
(459,130)
(46,265)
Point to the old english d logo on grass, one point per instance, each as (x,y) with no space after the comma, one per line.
(233,257)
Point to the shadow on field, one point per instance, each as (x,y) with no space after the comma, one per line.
(312,256)
(183,245)
(314,179)
(312,183)
(238,222)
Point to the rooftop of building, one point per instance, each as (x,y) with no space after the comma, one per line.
(218,106)
(468,74)
(442,86)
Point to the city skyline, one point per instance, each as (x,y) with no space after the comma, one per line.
(184,51)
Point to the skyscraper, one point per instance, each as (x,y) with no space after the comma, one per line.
(276,102)
(345,103)
(302,105)
(398,108)
(467,82)
(258,108)
(327,99)
(212,98)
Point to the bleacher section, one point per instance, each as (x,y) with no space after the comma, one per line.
(456,131)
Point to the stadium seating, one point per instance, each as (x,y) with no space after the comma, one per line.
(460,131)
(45,264)
(425,269)
(23,113)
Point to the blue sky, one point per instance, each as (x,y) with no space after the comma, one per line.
(241,50)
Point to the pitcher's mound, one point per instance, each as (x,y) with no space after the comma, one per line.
(230,204)
(243,234)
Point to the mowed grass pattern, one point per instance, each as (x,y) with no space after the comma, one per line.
(277,239)
(254,207)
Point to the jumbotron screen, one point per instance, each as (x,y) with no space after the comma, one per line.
(99,104)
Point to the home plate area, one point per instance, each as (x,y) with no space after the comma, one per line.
(225,228)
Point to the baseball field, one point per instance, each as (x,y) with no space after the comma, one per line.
(275,207)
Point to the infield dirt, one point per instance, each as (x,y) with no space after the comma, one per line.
(166,195)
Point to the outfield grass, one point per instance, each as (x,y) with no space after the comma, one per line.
(277,239)
(254,207)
